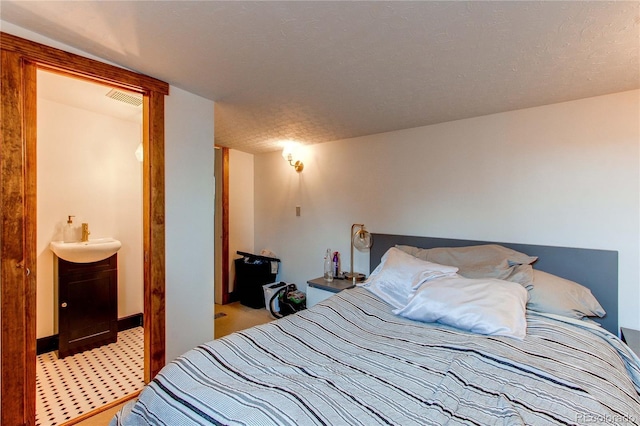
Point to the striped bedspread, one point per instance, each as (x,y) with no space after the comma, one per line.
(350,361)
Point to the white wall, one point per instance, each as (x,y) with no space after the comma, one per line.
(565,174)
(189,190)
(86,167)
(241,207)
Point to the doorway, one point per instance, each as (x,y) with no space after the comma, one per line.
(89,170)
(234,217)
(20,60)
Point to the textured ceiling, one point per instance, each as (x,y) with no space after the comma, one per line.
(321,71)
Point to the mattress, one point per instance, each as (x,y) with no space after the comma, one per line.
(350,361)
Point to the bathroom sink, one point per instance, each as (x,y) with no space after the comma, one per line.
(87,251)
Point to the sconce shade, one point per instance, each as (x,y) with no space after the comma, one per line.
(139,154)
(287,152)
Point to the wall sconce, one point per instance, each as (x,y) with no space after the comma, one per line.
(288,153)
(362,240)
(138,153)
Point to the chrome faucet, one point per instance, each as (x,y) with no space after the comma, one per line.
(85,232)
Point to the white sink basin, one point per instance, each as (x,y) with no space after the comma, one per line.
(86,252)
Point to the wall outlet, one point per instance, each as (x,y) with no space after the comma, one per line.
(297,210)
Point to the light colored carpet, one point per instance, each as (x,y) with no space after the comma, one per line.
(238,317)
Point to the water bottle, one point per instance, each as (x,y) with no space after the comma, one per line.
(328,266)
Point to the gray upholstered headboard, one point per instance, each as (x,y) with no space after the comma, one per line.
(595,269)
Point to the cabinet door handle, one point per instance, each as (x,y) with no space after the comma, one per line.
(64,304)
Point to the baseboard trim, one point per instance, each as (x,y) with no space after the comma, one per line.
(47,344)
(132,321)
(51,343)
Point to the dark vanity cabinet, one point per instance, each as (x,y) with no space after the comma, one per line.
(87,298)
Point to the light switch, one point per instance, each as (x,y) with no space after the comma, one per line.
(297,210)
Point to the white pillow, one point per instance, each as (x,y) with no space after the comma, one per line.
(556,295)
(485,306)
(398,273)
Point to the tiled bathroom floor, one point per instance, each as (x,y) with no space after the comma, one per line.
(67,388)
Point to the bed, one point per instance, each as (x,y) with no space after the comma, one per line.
(350,360)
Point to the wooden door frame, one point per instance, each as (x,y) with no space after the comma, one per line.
(20,59)
(225,226)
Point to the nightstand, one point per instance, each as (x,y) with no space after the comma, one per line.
(631,338)
(318,289)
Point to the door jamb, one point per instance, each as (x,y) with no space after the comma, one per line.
(225,226)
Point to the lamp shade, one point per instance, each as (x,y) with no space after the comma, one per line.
(362,239)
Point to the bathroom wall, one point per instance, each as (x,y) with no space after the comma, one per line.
(87,168)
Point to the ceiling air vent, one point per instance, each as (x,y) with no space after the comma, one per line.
(134,99)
